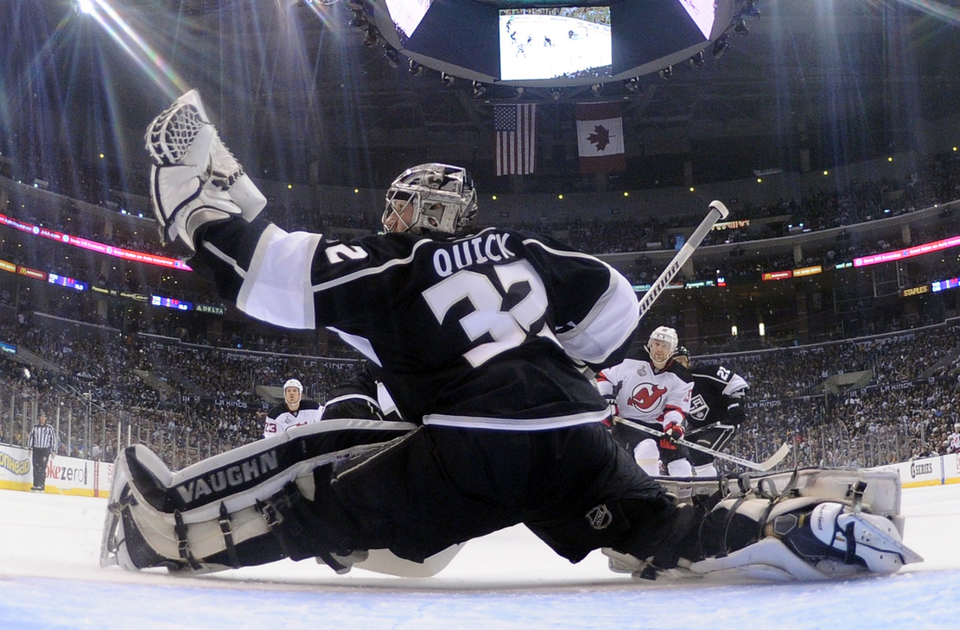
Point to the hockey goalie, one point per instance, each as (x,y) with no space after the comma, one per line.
(264,502)
(483,337)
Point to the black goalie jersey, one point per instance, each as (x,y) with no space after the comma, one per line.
(455,322)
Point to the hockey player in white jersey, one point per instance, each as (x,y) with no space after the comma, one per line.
(294,411)
(652,390)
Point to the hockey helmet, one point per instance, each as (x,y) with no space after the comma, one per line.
(292,398)
(682,355)
(440,198)
(669,337)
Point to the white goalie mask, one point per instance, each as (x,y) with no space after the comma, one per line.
(661,346)
(430,198)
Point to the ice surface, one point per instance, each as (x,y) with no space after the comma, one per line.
(51,578)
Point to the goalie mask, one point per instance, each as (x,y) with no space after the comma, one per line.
(430,198)
(661,346)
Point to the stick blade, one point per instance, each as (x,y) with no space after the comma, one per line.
(720,207)
(776,458)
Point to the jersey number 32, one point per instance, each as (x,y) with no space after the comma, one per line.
(507,328)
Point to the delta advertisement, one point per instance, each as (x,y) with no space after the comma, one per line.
(65,475)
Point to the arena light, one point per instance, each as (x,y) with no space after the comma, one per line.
(720,46)
(135,47)
(358,22)
(391,56)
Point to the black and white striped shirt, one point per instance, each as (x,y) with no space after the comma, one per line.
(43,436)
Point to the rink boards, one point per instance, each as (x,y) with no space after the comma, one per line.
(83,477)
(929,471)
(65,475)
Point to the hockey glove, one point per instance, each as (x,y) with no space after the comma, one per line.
(612,408)
(671,433)
(735,415)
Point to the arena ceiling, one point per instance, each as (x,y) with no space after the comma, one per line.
(297,89)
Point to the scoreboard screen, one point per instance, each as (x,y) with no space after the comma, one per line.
(167,302)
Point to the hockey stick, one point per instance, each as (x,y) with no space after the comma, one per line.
(717,211)
(763,466)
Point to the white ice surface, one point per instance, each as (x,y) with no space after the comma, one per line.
(50,578)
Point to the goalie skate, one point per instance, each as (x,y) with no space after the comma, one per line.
(808,525)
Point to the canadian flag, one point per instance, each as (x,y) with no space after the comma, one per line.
(600,137)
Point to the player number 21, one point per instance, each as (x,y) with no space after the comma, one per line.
(507,328)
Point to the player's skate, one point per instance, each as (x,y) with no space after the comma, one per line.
(195,179)
(805,525)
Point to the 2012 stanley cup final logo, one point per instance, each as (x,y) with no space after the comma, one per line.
(646,397)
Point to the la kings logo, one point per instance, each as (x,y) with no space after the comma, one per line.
(699,408)
(600,517)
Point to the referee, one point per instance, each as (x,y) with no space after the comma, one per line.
(44,442)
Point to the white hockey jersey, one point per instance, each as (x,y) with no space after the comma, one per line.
(647,395)
(280,419)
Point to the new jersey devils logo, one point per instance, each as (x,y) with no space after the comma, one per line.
(646,396)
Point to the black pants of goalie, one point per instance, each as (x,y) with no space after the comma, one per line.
(573,487)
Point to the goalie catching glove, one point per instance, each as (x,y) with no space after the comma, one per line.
(195,180)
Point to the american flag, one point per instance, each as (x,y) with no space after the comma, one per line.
(516,127)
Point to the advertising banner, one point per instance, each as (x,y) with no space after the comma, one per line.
(65,475)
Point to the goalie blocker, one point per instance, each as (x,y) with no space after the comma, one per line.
(247,506)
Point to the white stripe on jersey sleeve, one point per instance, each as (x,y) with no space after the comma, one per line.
(736,384)
(607,326)
(362,344)
(277,288)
